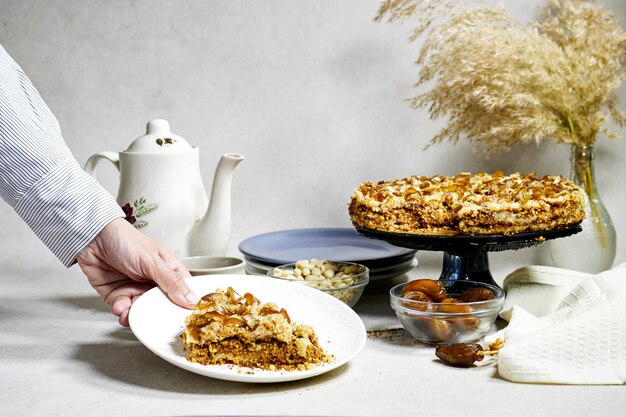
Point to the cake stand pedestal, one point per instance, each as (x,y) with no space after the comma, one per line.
(465,257)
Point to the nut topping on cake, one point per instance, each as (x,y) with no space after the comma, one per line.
(468,204)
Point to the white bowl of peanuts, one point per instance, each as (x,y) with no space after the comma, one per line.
(342,280)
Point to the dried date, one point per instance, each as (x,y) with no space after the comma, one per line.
(466,354)
(440,330)
(433,289)
(471,295)
(461,354)
(454,306)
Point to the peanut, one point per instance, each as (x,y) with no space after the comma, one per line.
(325,275)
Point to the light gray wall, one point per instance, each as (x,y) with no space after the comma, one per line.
(310,91)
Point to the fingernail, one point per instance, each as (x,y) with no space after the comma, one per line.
(191,298)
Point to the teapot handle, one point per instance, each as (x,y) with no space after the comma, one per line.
(113,157)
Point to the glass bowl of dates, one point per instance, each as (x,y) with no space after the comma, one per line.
(446,312)
(343,280)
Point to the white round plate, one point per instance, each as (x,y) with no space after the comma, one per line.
(393,272)
(253,270)
(158,323)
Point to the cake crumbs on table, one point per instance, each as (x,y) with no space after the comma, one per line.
(393,335)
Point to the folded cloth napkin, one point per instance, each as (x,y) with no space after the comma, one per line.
(539,289)
(562,332)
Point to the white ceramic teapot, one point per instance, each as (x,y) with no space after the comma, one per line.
(162,194)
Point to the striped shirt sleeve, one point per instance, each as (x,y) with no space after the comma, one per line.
(63,205)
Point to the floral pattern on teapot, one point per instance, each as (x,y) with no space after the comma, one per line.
(165,141)
(138,209)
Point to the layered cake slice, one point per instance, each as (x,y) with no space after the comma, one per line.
(226,328)
(468,204)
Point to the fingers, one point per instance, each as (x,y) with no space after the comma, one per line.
(121,308)
(122,298)
(172,282)
(173,262)
(121,262)
(123,319)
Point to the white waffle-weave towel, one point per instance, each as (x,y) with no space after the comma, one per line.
(564,327)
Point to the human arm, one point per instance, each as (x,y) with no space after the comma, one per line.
(72,214)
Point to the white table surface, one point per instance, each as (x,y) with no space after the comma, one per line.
(64,354)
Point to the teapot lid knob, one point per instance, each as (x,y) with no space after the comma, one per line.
(158,127)
(159,138)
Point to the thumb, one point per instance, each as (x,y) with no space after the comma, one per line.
(172,282)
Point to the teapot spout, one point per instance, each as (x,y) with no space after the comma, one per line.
(211,234)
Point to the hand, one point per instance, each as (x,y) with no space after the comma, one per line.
(123,263)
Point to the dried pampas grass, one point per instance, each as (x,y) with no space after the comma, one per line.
(499,82)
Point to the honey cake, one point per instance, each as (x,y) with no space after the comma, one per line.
(226,328)
(468,204)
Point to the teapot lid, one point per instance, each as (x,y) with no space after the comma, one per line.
(159,138)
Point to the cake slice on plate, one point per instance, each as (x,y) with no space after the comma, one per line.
(226,328)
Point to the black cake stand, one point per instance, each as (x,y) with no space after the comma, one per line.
(465,256)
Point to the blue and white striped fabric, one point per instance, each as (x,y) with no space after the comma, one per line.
(39,177)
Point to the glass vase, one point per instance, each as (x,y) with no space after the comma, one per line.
(593,249)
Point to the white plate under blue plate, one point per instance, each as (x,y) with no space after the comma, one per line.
(158,323)
(337,244)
